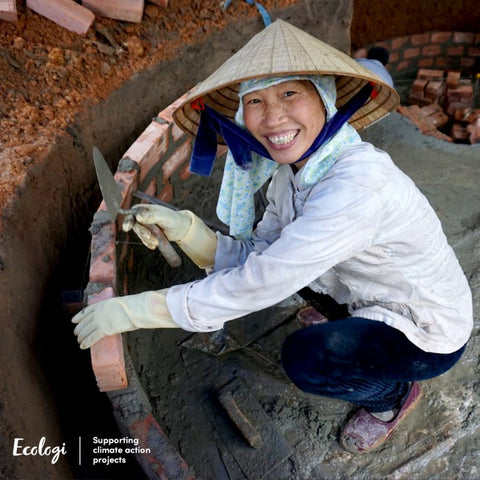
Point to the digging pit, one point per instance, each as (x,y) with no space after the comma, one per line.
(48,388)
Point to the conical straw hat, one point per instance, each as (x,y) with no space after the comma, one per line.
(282,49)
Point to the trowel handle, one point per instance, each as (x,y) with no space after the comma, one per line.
(165,247)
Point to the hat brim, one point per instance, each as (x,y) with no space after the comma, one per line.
(279,50)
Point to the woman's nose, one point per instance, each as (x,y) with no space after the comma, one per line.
(274,114)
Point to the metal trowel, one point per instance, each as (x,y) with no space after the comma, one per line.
(113,200)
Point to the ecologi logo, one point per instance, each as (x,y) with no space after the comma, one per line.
(42,450)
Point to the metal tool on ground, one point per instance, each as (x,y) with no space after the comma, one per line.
(267,447)
(113,199)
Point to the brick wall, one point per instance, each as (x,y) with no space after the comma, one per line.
(440,50)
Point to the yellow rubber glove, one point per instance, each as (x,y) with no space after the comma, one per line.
(122,314)
(197,240)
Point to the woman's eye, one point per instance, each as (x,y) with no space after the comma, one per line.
(289,93)
(253,101)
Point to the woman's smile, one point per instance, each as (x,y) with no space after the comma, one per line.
(282,140)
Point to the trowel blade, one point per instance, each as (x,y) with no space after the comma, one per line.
(108,186)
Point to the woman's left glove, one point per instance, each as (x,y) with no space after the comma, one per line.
(122,314)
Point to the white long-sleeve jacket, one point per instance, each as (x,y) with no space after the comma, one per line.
(364,234)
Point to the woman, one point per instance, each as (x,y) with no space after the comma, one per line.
(341,220)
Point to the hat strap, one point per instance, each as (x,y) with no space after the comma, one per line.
(342,115)
(241,143)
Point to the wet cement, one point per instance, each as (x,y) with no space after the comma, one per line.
(183,373)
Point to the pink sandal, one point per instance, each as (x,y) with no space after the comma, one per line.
(364,432)
(310,316)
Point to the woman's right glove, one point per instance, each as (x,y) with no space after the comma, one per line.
(180,226)
(122,314)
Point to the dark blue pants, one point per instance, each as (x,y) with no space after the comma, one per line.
(362,361)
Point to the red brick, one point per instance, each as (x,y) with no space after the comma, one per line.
(419,85)
(152,187)
(440,62)
(127,10)
(453,106)
(185,172)
(65,13)
(8,10)
(398,42)
(457,51)
(435,88)
(425,62)
(108,363)
(453,79)
(474,130)
(394,57)
(430,110)
(181,155)
(177,132)
(458,132)
(420,39)
(430,74)
(467,62)
(473,52)
(403,65)
(431,50)
(411,53)
(463,37)
(166,194)
(441,37)
(149,147)
(438,134)
(464,90)
(419,99)
(439,119)
(102,263)
(161,461)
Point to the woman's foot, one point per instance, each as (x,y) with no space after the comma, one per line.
(365,432)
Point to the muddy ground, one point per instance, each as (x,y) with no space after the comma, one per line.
(61,93)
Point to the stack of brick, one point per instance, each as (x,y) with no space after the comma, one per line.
(428,87)
(428,119)
(467,125)
(79,17)
(443,102)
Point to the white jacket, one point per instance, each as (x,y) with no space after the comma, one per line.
(364,235)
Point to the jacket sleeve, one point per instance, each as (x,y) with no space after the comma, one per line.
(339,219)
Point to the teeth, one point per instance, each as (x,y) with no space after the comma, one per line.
(282,139)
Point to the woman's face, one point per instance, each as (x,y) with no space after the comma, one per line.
(285,118)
